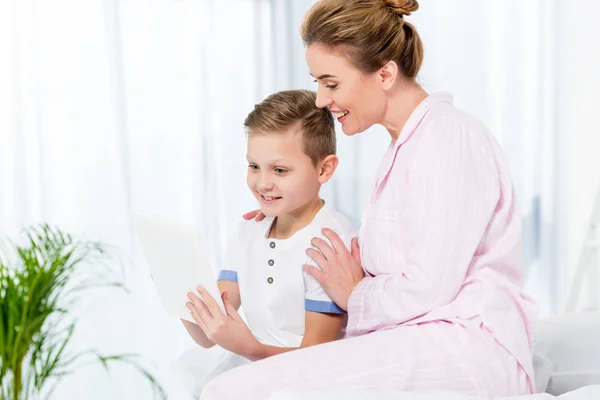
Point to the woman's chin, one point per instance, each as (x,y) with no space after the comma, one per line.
(349,131)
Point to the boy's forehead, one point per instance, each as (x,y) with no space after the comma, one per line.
(276,145)
(283,140)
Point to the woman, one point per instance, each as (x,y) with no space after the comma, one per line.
(435,302)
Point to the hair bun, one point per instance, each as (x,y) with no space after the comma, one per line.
(402,7)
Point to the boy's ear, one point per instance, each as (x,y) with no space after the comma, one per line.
(327,167)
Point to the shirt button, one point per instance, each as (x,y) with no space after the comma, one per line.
(270,280)
(272,245)
(271,262)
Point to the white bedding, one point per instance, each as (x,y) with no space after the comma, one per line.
(585,393)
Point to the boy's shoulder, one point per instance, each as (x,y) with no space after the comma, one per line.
(335,221)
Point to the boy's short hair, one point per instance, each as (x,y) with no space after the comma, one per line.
(284,109)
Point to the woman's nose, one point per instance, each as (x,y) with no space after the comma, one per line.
(322,100)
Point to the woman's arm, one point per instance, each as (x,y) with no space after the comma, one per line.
(196,333)
(319,328)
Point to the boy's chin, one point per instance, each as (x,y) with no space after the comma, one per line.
(268,212)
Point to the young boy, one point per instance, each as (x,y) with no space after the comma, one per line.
(291,153)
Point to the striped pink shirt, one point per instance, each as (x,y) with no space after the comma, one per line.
(441,236)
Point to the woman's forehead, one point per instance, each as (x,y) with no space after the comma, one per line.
(324,61)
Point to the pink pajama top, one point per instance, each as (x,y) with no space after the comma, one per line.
(440,238)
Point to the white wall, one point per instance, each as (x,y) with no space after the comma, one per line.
(578,33)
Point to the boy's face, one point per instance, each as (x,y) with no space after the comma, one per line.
(280,175)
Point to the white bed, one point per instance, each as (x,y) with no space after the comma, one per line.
(585,393)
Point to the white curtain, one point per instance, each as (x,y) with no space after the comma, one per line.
(109,105)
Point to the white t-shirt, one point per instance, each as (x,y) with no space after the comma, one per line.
(274,290)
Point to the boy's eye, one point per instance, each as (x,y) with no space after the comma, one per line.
(253,166)
(280,170)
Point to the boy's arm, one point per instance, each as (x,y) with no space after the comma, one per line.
(196,333)
(319,328)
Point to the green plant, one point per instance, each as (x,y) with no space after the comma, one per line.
(39,282)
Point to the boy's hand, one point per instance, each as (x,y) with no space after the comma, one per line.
(256,214)
(227,330)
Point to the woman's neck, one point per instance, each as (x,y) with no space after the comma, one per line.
(285,226)
(401,104)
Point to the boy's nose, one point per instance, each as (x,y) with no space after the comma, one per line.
(264,184)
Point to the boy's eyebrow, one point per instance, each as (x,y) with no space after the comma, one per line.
(281,160)
(273,162)
(324,76)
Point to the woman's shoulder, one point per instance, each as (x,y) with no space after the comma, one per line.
(448,123)
(447,128)
(455,118)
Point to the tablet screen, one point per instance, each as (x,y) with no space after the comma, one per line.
(176,260)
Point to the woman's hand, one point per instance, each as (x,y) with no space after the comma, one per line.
(256,214)
(341,269)
(227,330)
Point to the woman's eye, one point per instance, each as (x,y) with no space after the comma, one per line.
(280,170)
(252,166)
(331,86)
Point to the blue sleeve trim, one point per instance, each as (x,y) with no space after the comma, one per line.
(322,306)
(227,275)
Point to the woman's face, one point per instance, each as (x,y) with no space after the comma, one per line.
(356,100)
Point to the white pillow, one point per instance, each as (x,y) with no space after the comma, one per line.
(571,342)
(543,369)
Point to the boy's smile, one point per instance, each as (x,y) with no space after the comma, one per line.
(269,199)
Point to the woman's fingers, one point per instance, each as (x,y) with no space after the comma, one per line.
(316,273)
(355,250)
(251,214)
(324,248)
(338,244)
(317,257)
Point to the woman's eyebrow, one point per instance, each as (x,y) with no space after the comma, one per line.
(324,76)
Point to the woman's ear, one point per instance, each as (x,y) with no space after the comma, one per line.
(327,167)
(388,75)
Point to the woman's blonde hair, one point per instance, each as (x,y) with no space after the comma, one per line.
(282,110)
(370,32)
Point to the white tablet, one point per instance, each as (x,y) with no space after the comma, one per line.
(176,260)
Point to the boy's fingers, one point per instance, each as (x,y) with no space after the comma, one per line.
(200,308)
(198,319)
(210,302)
(231,311)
